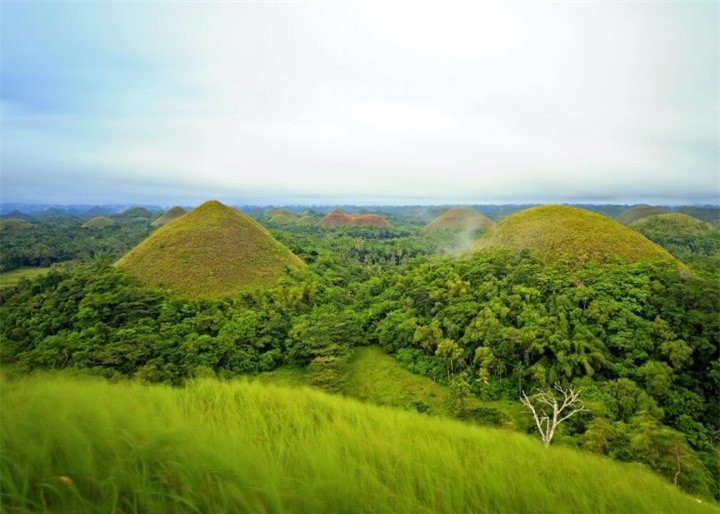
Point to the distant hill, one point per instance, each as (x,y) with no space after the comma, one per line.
(15,224)
(168,216)
(637,213)
(710,214)
(461,219)
(135,212)
(557,231)
(338,218)
(672,223)
(98,222)
(306,219)
(213,250)
(282,217)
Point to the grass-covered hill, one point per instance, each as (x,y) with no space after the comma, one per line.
(461,219)
(283,218)
(672,222)
(98,222)
(246,447)
(15,223)
(135,212)
(338,218)
(168,216)
(213,250)
(637,213)
(557,232)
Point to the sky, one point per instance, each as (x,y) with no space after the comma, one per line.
(360,102)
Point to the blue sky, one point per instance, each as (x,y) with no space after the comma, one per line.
(360,102)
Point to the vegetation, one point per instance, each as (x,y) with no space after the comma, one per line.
(98,222)
(463,219)
(15,224)
(12,278)
(213,250)
(384,315)
(239,447)
(637,213)
(558,232)
(168,216)
(689,239)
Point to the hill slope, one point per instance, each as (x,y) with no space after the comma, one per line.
(557,231)
(338,218)
(168,216)
(460,218)
(242,447)
(672,223)
(213,250)
(98,222)
(15,223)
(638,213)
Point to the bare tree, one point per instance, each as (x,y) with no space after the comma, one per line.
(547,408)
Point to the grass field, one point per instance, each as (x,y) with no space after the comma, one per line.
(11,278)
(72,445)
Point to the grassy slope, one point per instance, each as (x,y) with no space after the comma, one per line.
(555,231)
(211,251)
(11,278)
(637,213)
(460,218)
(167,216)
(98,222)
(246,447)
(672,223)
(15,223)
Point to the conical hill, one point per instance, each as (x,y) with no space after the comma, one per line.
(460,219)
(637,213)
(339,218)
(213,250)
(98,222)
(168,216)
(556,232)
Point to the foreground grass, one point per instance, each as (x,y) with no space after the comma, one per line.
(73,445)
(11,278)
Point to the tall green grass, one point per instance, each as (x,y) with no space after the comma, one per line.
(73,445)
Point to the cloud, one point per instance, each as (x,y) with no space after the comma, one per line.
(484,103)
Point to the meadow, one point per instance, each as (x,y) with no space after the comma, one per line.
(79,445)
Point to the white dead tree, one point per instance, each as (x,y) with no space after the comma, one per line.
(550,409)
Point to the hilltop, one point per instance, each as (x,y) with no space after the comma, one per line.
(556,231)
(15,223)
(168,216)
(213,250)
(637,213)
(98,222)
(461,219)
(672,223)
(217,446)
(338,218)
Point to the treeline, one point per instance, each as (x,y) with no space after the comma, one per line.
(642,339)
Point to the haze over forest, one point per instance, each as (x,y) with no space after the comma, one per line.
(302,103)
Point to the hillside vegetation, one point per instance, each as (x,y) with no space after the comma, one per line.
(239,447)
(557,232)
(168,216)
(213,250)
(637,213)
(15,223)
(98,222)
(462,219)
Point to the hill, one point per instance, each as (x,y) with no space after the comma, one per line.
(555,232)
(283,218)
(98,222)
(244,447)
(672,223)
(213,250)
(707,213)
(168,216)
(338,218)
(135,212)
(462,219)
(637,213)
(15,224)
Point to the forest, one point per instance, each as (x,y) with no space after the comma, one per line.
(640,339)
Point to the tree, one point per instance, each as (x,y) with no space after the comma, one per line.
(547,408)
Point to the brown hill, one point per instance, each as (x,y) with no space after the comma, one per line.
(556,232)
(15,223)
(213,250)
(338,218)
(462,219)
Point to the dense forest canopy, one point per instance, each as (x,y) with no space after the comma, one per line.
(641,339)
